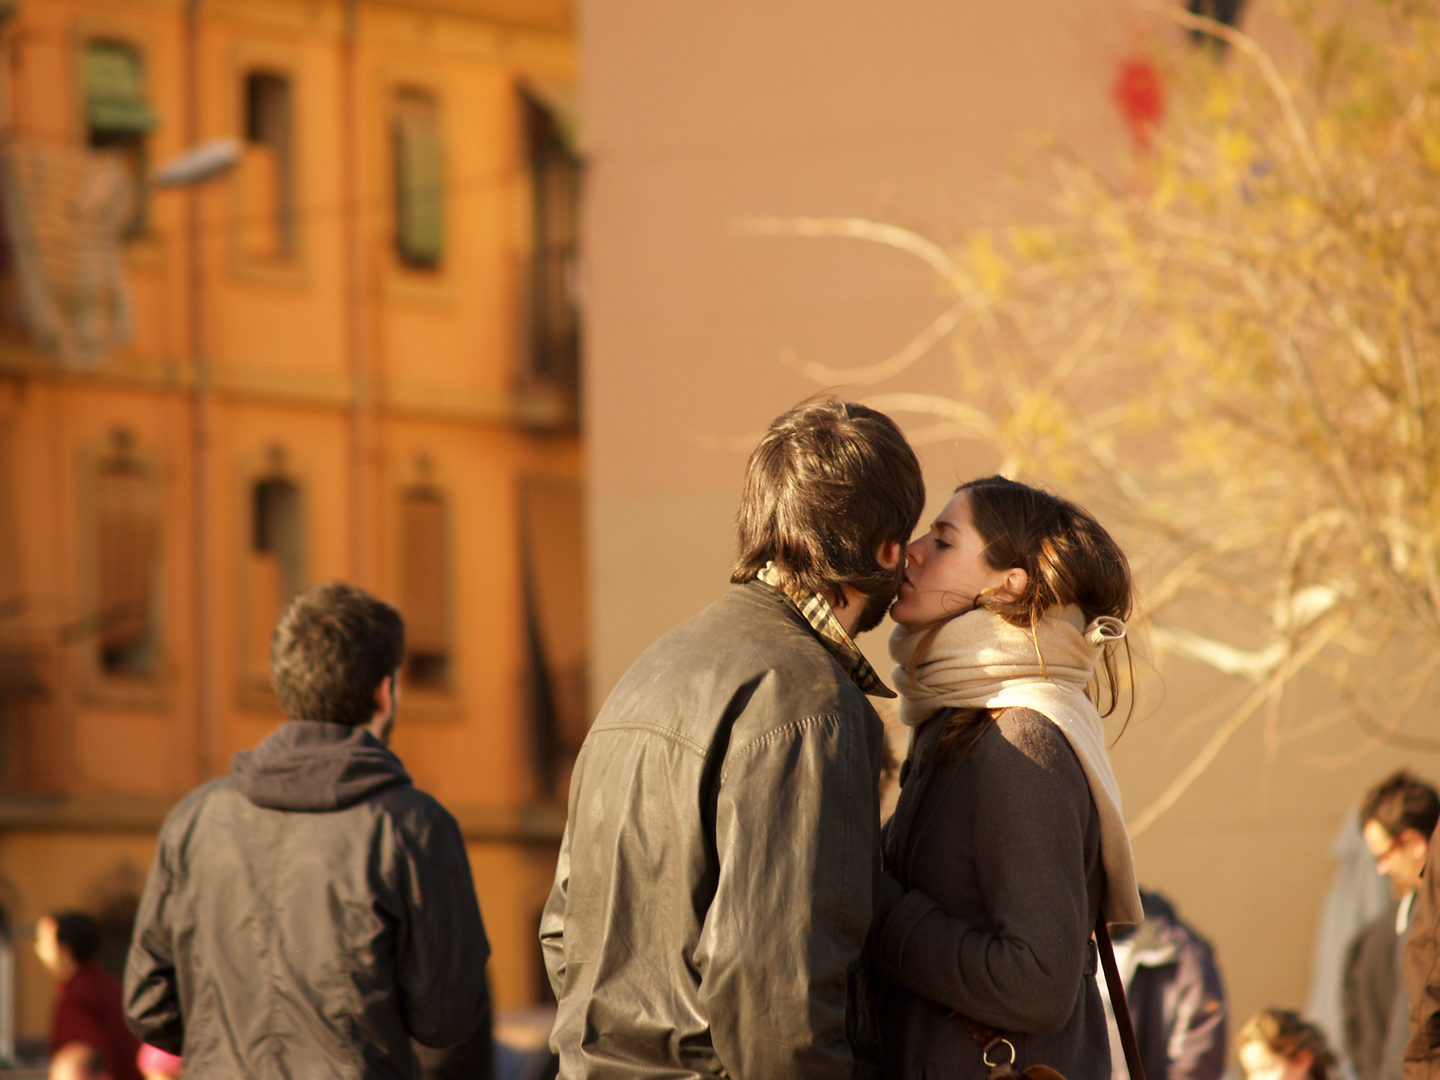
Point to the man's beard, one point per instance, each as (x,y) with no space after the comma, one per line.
(876,605)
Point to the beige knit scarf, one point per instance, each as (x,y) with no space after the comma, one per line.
(978,660)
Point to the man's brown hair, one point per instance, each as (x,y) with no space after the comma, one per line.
(331,650)
(829,484)
(1402,801)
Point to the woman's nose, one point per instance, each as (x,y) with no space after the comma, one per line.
(912,553)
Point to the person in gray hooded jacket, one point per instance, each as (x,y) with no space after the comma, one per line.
(311,913)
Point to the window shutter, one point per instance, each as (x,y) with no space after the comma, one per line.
(260,235)
(419,181)
(127,536)
(115,90)
(423,592)
(553,564)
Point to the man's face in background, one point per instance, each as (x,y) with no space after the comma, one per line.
(1400,858)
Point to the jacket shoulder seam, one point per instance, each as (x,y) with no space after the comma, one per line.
(774,734)
(654,729)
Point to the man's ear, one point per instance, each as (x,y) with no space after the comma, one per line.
(385,696)
(890,554)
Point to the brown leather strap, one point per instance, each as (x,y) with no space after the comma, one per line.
(993,1042)
(1117,1000)
(993,1045)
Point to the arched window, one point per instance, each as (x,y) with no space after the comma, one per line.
(419,179)
(425,588)
(126,544)
(117,115)
(276,564)
(267,176)
(551,286)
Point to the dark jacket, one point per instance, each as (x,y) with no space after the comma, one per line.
(1175,995)
(715,879)
(1422,975)
(1373,996)
(306,915)
(88,1011)
(992,887)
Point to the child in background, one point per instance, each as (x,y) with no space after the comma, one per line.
(1277,1044)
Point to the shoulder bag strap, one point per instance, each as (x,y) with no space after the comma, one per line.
(1117,999)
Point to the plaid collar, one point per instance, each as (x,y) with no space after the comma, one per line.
(817,611)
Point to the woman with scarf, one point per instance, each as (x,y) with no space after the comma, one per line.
(1007,842)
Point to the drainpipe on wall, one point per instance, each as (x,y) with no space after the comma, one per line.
(354,246)
(201,407)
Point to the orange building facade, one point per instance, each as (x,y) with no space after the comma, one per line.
(347,352)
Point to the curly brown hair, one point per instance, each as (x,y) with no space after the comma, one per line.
(1289,1034)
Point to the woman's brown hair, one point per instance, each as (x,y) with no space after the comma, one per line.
(1068,558)
(1289,1035)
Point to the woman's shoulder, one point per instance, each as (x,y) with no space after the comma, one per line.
(1035,736)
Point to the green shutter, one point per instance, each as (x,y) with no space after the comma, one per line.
(419,182)
(115,90)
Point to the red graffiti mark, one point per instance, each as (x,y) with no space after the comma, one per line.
(1139,91)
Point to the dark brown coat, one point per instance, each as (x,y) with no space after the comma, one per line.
(1422,975)
(993,885)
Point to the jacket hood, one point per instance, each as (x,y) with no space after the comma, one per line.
(314,766)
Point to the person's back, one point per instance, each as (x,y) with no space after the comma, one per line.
(310,912)
(712,734)
(1175,996)
(715,884)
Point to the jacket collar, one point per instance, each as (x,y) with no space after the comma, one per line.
(816,611)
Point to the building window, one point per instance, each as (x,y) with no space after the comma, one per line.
(127,562)
(551,286)
(276,563)
(425,587)
(552,554)
(267,175)
(419,180)
(117,115)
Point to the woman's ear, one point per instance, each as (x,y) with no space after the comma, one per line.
(1012,584)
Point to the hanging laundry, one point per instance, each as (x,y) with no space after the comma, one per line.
(66,210)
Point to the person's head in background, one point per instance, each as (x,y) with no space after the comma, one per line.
(1277,1044)
(76,1061)
(66,940)
(1397,818)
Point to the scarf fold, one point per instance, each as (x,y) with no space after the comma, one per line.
(978,660)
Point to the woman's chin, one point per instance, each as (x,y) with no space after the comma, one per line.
(900,616)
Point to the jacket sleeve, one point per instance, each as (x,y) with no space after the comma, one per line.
(1023,972)
(441,945)
(552,919)
(152,995)
(1422,976)
(796,833)
(472,1058)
